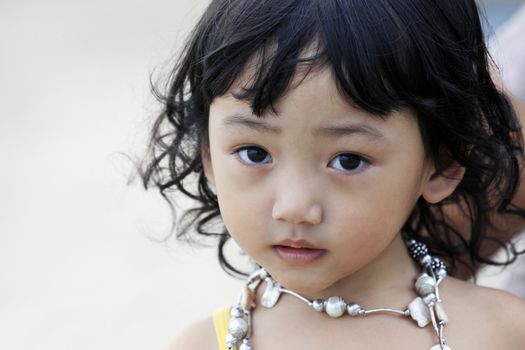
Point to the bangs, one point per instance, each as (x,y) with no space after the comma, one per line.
(375,50)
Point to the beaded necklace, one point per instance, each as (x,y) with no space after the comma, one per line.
(426,309)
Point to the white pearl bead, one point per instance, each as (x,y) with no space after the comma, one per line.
(236,312)
(425,285)
(335,306)
(238,327)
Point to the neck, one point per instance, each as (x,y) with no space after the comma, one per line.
(392,273)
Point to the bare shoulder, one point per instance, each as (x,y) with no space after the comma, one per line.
(486,317)
(199,335)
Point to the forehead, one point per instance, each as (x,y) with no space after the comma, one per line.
(309,86)
(313,105)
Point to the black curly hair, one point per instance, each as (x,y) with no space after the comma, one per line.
(386,55)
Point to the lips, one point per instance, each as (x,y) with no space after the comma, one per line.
(297,244)
(298,252)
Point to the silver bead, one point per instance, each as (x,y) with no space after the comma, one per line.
(426,260)
(245,345)
(354,309)
(425,285)
(441,273)
(237,312)
(430,299)
(318,305)
(264,274)
(335,306)
(231,340)
(238,327)
(439,347)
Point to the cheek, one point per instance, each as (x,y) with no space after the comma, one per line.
(370,215)
(243,210)
(365,230)
(366,224)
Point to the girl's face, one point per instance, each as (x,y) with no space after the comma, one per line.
(322,172)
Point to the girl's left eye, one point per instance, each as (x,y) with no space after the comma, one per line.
(253,155)
(348,162)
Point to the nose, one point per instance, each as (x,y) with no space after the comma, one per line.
(296,203)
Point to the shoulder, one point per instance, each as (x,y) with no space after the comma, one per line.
(198,335)
(506,314)
(491,317)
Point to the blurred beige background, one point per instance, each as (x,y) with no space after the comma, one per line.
(77,270)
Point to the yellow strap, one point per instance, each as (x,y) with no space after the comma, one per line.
(221,317)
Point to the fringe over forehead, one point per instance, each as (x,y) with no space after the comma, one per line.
(385,54)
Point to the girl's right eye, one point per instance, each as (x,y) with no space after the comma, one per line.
(253,155)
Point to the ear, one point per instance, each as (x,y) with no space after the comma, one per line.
(443,183)
(206,165)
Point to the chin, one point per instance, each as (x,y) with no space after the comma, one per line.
(302,282)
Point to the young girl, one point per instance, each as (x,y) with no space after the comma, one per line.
(327,137)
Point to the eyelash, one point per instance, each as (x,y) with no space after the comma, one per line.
(362,161)
(239,151)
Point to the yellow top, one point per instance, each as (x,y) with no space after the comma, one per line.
(221,317)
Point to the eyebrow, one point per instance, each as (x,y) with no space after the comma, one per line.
(328,130)
(251,123)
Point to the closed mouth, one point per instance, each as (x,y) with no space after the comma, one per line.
(298,255)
